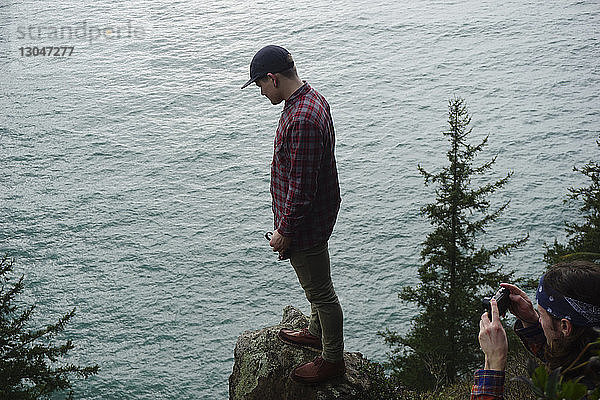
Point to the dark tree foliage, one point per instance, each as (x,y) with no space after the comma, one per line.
(583,238)
(31,362)
(456,270)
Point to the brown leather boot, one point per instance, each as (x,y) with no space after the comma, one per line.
(318,370)
(300,338)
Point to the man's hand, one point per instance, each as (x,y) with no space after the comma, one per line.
(279,242)
(521,306)
(492,339)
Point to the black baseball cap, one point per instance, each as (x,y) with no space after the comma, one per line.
(270,59)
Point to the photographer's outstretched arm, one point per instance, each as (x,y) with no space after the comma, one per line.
(521,306)
(492,340)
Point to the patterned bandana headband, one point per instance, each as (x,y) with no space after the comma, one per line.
(559,306)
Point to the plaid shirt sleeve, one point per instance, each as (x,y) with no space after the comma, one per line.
(532,337)
(306,151)
(489,385)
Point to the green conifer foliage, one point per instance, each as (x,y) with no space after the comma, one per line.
(31,362)
(583,238)
(457,268)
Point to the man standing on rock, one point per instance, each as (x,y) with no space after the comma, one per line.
(306,200)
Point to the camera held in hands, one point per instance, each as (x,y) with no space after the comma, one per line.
(503,300)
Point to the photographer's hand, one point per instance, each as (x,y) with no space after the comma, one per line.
(492,340)
(521,306)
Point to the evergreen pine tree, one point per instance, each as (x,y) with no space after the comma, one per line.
(583,239)
(31,365)
(456,270)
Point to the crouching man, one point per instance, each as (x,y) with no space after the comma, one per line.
(568,309)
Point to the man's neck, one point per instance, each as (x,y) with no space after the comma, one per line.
(290,88)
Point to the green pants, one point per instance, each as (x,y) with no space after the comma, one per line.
(326,319)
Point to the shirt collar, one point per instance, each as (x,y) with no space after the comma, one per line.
(301,91)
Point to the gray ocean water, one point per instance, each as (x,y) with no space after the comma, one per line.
(134,178)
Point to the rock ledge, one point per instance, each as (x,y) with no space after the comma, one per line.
(263,364)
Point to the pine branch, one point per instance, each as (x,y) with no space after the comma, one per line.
(29,360)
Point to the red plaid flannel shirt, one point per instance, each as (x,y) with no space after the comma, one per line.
(489,385)
(304,180)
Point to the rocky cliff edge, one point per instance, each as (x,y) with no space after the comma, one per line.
(263,364)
